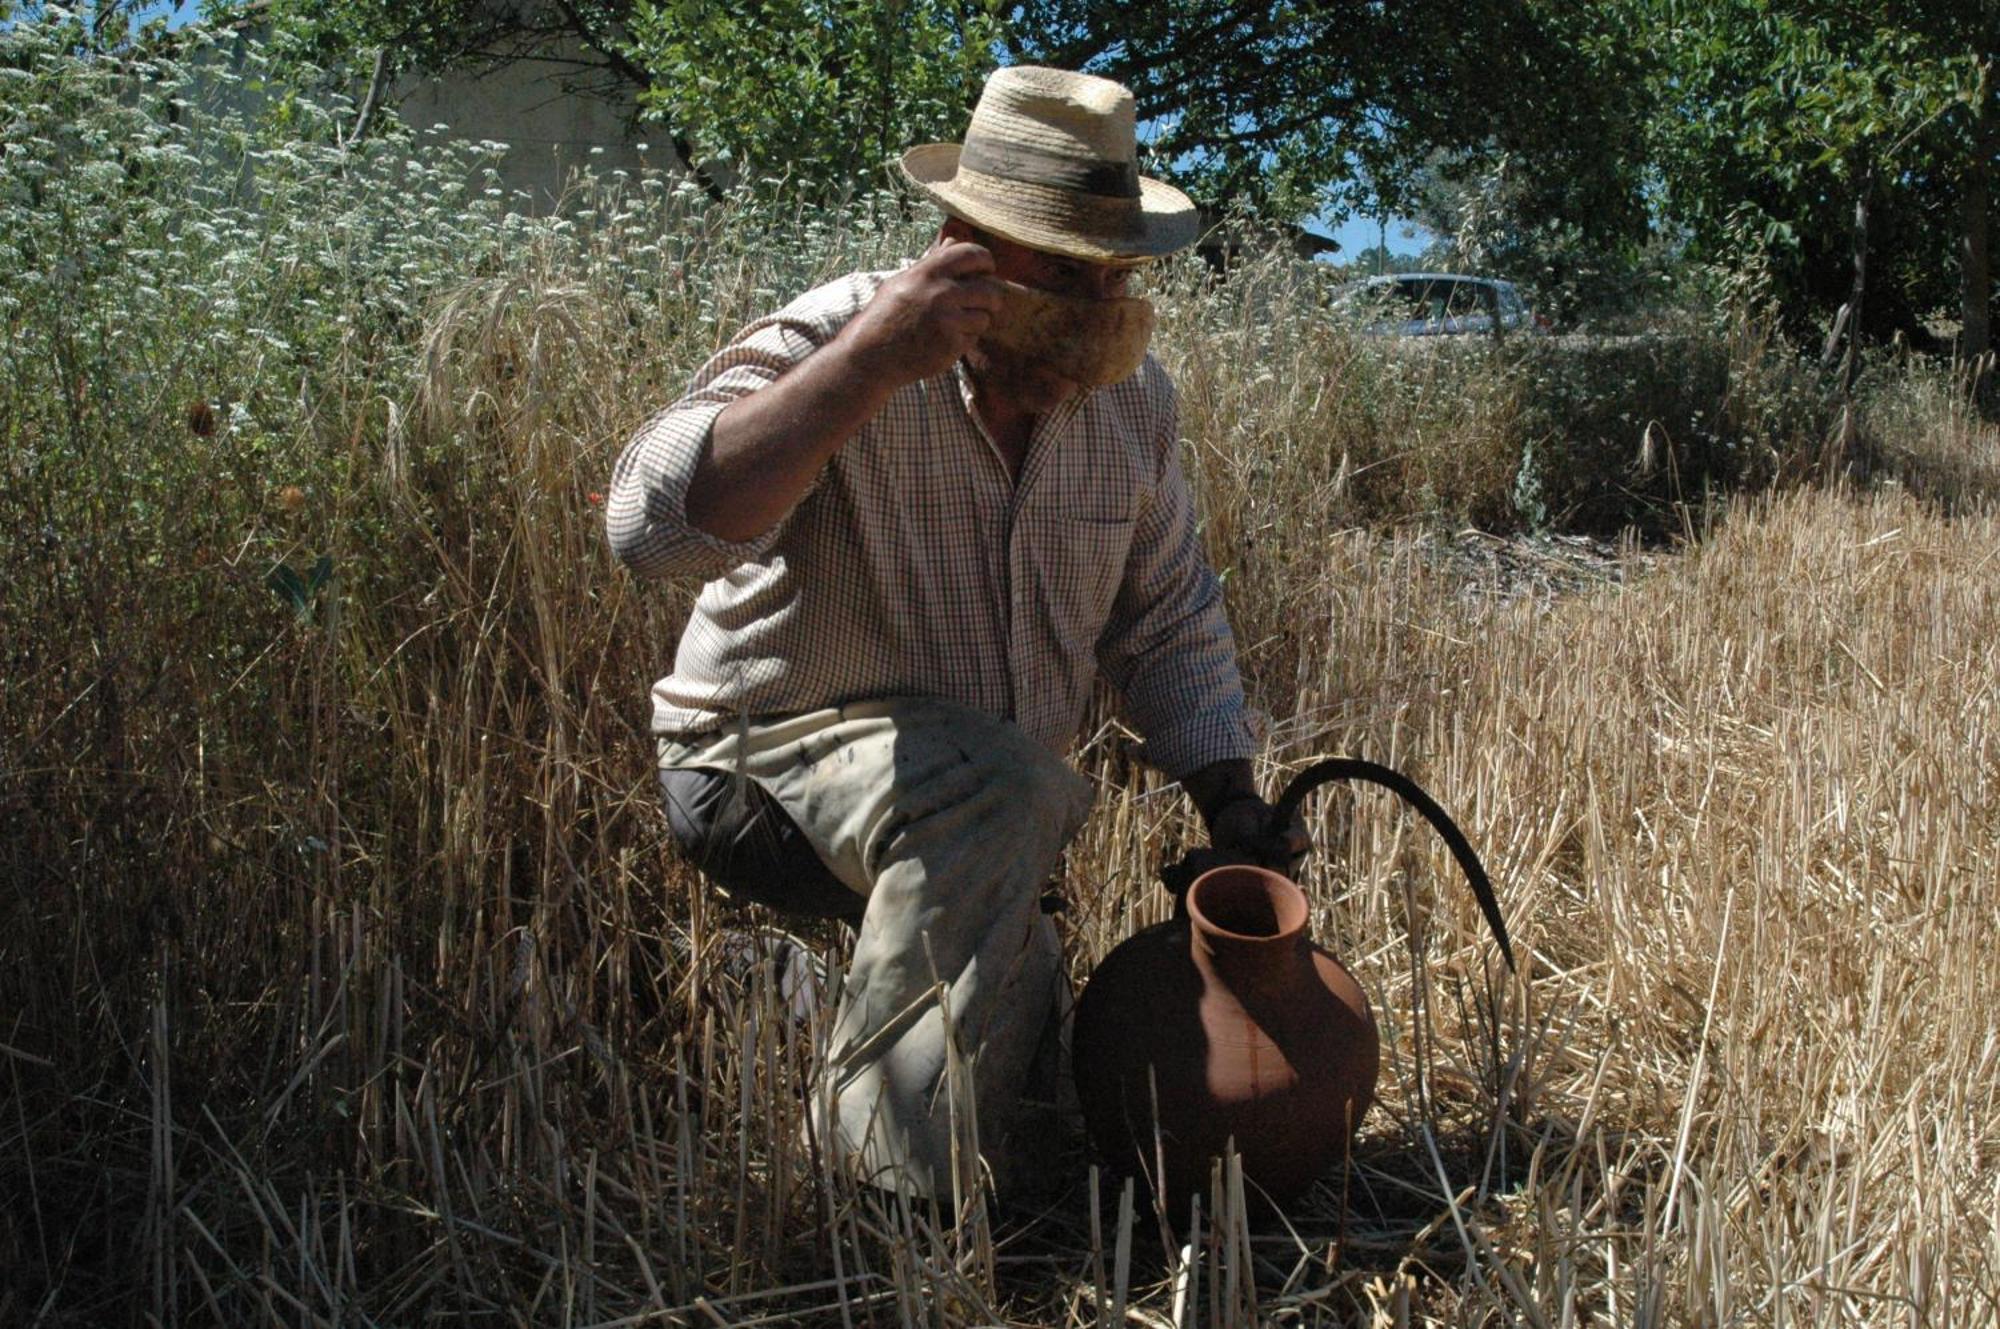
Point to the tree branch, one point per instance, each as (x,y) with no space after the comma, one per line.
(377,81)
(612,51)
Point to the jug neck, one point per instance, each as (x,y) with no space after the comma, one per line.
(1247,924)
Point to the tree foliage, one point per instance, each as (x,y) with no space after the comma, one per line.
(1293,107)
(1800,139)
(1567,144)
(820,91)
(824,91)
(1309,106)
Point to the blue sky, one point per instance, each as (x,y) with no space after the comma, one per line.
(1360,234)
(178,12)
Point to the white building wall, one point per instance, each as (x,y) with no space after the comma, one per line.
(547,111)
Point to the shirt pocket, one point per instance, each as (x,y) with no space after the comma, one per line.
(1086,565)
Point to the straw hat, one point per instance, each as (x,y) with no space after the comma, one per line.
(1050,161)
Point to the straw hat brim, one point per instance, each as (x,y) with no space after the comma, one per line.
(1059,221)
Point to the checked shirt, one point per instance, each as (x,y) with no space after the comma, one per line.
(917,566)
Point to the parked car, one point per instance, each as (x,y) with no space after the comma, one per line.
(1437,304)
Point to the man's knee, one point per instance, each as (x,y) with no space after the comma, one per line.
(1005,767)
(746,845)
(988,822)
(1040,799)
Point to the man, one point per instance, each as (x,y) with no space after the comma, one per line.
(923,537)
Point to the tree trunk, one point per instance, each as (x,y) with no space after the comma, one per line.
(378,79)
(1849,318)
(613,50)
(1847,327)
(1975,285)
(1857,295)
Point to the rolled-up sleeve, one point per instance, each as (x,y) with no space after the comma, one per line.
(645,513)
(1167,646)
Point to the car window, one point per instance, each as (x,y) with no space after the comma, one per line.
(1463,299)
(1429,303)
(1413,300)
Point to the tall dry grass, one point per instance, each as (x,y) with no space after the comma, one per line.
(438,1023)
(346,978)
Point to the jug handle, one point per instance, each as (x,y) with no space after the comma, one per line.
(1179,876)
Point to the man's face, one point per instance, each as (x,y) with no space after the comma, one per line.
(1030,385)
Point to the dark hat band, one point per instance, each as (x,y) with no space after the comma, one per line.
(1038,166)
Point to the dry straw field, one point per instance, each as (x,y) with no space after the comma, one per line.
(345,977)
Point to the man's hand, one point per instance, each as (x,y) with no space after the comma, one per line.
(1247,827)
(767,447)
(926,316)
(1240,823)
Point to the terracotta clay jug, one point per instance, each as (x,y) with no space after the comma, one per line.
(1227,1023)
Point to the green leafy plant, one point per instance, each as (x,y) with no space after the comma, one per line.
(300,592)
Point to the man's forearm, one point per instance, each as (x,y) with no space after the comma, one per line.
(766,448)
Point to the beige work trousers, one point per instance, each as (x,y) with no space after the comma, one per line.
(949,823)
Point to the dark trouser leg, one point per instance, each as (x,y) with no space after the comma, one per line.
(747,846)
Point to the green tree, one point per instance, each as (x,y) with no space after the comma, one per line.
(1820,139)
(1292,108)
(1307,106)
(1493,212)
(818,90)
(824,91)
